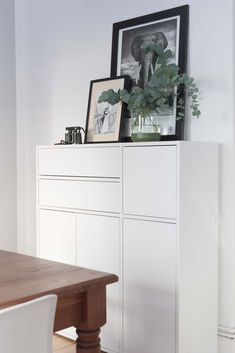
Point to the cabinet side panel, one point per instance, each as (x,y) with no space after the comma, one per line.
(197,247)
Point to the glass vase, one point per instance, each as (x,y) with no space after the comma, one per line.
(144,129)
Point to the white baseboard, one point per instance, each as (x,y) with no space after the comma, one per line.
(226,332)
(69,333)
(226,344)
(226,338)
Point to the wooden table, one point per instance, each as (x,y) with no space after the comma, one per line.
(81,293)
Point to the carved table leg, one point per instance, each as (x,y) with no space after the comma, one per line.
(88,341)
(94,309)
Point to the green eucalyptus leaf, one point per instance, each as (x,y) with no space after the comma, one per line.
(154,82)
(161,60)
(114,99)
(168,54)
(184,76)
(159,50)
(173,69)
(137,90)
(124,95)
(106,95)
(149,47)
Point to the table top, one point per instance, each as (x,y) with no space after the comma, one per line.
(25,277)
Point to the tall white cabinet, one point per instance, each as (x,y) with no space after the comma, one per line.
(148,213)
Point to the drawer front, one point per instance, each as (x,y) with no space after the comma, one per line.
(85,195)
(83,161)
(150,181)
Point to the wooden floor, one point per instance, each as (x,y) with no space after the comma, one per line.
(63,345)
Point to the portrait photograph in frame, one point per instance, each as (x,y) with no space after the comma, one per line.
(168,28)
(104,120)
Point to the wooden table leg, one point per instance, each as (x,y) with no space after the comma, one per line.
(88,340)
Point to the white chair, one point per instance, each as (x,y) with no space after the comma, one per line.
(28,327)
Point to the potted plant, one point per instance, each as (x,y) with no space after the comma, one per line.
(165,85)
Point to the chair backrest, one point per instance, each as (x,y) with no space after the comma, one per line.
(28,327)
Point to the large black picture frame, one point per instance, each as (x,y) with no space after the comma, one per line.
(123,63)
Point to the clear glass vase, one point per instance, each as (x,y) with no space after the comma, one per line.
(144,129)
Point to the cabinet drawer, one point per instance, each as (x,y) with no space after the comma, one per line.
(83,161)
(87,195)
(150,181)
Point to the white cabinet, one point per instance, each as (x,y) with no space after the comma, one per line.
(149,281)
(148,213)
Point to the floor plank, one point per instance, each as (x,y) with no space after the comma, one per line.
(68,349)
(63,345)
(61,342)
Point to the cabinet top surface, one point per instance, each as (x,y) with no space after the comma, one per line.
(125,144)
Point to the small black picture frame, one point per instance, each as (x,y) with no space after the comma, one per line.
(105,121)
(169,26)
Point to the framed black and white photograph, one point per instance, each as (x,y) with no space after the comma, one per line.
(169,28)
(104,120)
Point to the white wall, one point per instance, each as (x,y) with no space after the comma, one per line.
(62,44)
(8,235)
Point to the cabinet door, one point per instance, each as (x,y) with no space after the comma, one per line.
(149,183)
(98,248)
(57,236)
(149,286)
